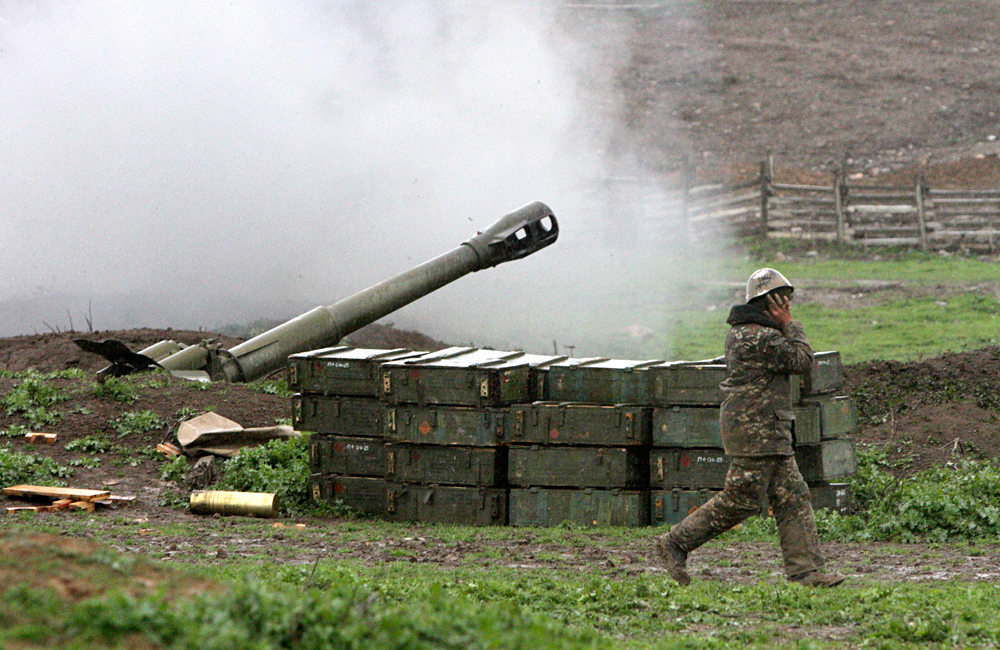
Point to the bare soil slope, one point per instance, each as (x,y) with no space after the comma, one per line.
(876,85)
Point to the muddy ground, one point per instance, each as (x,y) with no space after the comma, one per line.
(923,413)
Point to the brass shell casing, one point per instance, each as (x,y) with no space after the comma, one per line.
(251,504)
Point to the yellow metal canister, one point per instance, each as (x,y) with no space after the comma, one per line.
(252,504)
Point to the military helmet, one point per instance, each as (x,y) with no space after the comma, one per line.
(764,280)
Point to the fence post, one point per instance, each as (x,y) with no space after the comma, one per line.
(838,201)
(766,171)
(921,217)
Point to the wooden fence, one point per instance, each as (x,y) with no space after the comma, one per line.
(871,215)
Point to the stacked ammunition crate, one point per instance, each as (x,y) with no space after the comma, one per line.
(688,464)
(337,399)
(439,453)
(583,455)
(487,437)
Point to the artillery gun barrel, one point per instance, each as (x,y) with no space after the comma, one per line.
(513,237)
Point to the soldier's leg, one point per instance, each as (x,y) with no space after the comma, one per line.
(746,482)
(788,495)
(746,485)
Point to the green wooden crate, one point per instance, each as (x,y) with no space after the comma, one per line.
(463,377)
(807,429)
(556,423)
(364,495)
(694,469)
(578,467)
(832,496)
(830,459)
(682,383)
(836,415)
(348,456)
(341,370)
(686,426)
(586,507)
(441,504)
(600,380)
(446,425)
(336,415)
(826,376)
(670,506)
(447,465)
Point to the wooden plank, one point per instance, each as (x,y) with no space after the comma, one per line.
(965,193)
(802,188)
(880,196)
(889,241)
(35,437)
(994,200)
(824,236)
(55,492)
(884,209)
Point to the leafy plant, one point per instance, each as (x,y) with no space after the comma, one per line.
(31,399)
(87,461)
(116,390)
(280,467)
(89,444)
(277,387)
(14,431)
(176,469)
(20,468)
(137,423)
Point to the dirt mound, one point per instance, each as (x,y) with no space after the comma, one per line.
(933,411)
(77,569)
(56,351)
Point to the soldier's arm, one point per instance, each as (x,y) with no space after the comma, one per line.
(788,351)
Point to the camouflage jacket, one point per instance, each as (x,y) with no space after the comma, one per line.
(757,413)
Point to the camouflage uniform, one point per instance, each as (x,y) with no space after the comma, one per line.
(756,424)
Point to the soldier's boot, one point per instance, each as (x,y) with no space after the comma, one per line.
(820,579)
(800,548)
(673,558)
(712,519)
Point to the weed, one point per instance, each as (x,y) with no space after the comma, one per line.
(280,467)
(116,390)
(14,431)
(18,468)
(176,469)
(173,499)
(31,399)
(277,387)
(89,444)
(87,461)
(137,423)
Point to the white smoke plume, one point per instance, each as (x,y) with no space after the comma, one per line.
(190,164)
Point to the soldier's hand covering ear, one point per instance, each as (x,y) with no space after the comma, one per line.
(780,308)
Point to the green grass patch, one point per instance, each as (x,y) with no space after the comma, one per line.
(902,330)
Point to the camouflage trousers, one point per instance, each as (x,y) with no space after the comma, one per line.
(752,483)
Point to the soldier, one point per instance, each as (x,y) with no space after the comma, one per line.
(763,348)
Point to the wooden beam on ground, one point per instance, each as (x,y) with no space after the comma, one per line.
(56,492)
(35,437)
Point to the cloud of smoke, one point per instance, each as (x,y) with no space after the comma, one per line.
(187,164)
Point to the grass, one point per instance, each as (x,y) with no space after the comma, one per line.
(939,305)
